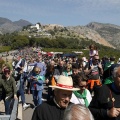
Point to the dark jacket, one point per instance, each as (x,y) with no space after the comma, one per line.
(105,98)
(48,111)
(9,86)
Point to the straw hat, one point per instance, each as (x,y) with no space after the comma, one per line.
(65,83)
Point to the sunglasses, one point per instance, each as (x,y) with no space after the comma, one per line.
(68,68)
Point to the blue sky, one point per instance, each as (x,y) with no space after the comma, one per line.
(63,12)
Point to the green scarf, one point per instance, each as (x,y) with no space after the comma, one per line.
(40,77)
(107,65)
(109,80)
(83,95)
(66,73)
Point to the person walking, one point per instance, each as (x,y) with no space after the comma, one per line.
(21,68)
(54,109)
(82,96)
(8,84)
(94,73)
(36,85)
(105,104)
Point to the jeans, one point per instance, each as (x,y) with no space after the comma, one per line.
(8,106)
(37,97)
(21,88)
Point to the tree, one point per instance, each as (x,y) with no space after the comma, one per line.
(20,41)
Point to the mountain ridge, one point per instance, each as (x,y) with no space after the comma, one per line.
(8,26)
(106,34)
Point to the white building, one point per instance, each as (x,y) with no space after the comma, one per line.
(35,26)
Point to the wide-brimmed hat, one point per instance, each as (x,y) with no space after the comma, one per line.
(65,83)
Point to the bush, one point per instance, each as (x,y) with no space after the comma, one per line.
(5,48)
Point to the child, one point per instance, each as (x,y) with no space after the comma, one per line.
(36,84)
(92,51)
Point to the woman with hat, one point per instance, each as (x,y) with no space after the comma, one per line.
(54,109)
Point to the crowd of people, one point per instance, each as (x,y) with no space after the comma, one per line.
(78,88)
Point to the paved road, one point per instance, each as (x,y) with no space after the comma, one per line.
(27,114)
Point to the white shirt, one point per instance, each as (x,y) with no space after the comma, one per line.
(76,100)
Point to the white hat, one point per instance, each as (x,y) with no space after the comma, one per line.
(65,83)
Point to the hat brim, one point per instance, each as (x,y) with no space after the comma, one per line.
(73,89)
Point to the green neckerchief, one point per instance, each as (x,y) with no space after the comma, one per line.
(39,77)
(83,95)
(109,80)
(66,73)
(107,65)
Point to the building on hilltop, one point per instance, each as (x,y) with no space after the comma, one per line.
(37,26)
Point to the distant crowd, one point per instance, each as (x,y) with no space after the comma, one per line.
(78,88)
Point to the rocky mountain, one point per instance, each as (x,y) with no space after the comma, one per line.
(79,31)
(7,26)
(109,32)
(86,32)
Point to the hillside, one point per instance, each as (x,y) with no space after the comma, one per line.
(109,32)
(90,34)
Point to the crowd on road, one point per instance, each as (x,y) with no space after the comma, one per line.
(78,88)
